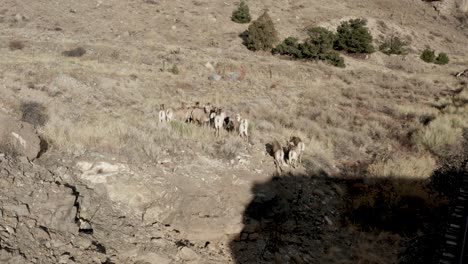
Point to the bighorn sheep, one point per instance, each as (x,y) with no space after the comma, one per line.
(300,146)
(218,121)
(169,115)
(293,155)
(162,114)
(183,113)
(243,127)
(201,115)
(278,155)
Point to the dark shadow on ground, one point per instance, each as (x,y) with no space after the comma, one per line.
(320,219)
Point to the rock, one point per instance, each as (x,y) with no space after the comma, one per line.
(54,208)
(210,66)
(82,242)
(214,77)
(19,210)
(152,258)
(329,222)
(234,76)
(19,18)
(18,138)
(151,198)
(187,254)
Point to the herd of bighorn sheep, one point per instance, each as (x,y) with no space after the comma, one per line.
(292,153)
(214,117)
(208,116)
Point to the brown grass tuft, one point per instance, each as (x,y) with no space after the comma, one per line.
(16,45)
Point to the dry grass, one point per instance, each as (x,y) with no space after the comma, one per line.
(445,134)
(16,45)
(130,136)
(405,165)
(230,148)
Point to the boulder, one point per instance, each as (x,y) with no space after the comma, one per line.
(18,138)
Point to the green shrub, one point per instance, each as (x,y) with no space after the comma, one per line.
(318,46)
(262,34)
(442,59)
(241,14)
(174,70)
(394,45)
(289,46)
(320,40)
(334,58)
(353,36)
(428,55)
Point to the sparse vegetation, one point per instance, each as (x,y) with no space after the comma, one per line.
(241,14)
(77,52)
(394,45)
(428,55)
(442,59)
(354,37)
(408,166)
(230,148)
(34,113)
(441,136)
(174,70)
(16,45)
(262,34)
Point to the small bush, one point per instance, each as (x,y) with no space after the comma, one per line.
(230,148)
(442,59)
(16,45)
(334,58)
(441,136)
(34,113)
(353,36)
(77,52)
(262,34)
(241,14)
(428,55)
(174,70)
(394,45)
(320,41)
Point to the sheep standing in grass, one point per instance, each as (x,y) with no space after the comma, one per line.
(162,114)
(182,113)
(243,128)
(201,115)
(300,146)
(278,155)
(169,115)
(218,121)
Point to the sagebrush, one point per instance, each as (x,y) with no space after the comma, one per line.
(34,113)
(394,45)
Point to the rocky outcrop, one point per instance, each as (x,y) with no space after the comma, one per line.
(18,138)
